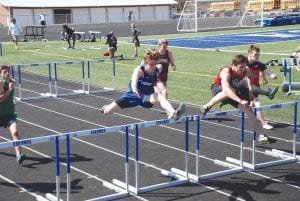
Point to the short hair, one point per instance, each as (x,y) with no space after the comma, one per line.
(2,67)
(239,59)
(253,48)
(160,41)
(150,56)
(13,19)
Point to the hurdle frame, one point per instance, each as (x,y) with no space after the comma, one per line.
(75,92)
(121,193)
(42,95)
(105,89)
(233,169)
(288,66)
(179,179)
(285,157)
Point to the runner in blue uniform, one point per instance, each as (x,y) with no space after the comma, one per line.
(141,90)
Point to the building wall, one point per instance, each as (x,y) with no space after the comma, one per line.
(4,16)
(98,15)
(81,15)
(28,16)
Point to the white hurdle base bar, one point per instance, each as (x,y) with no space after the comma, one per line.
(105,89)
(134,190)
(281,154)
(52,197)
(41,198)
(42,96)
(263,165)
(194,178)
(121,193)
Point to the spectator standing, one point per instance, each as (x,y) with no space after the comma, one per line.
(43,19)
(135,39)
(69,34)
(14,30)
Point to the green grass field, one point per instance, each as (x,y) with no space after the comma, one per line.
(196,69)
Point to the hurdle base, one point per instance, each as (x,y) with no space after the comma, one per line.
(41,198)
(265,164)
(52,197)
(105,89)
(42,96)
(180,180)
(75,93)
(282,154)
(194,178)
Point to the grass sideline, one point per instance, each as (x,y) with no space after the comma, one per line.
(190,83)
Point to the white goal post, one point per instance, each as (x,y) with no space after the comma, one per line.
(198,15)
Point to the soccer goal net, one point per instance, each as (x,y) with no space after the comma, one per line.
(199,15)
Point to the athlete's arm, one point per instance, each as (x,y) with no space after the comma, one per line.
(225,82)
(173,66)
(4,95)
(134,80)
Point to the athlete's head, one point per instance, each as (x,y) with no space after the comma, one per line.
(239,64)
(4,71)
(162,42)
(253,53)
(150,60)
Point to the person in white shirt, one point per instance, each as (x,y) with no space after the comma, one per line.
(14,30)
(43,19)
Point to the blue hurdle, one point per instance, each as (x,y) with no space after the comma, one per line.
(179,179)
(288,65)
(285,157)
(105,89)
(42,95)
(232,168)
(124,189)
(67,136)
(75,92)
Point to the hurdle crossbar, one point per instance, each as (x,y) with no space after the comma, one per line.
(285,157)
(75,92)
(42,95)
(105,89)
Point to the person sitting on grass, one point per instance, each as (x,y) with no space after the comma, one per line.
(141,91)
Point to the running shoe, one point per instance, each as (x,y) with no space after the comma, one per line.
(178,112)
(267,126)
(103,108)
(263,139)
(20,158)
(204,109)
(272,92)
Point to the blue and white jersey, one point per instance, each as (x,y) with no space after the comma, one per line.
(146,82)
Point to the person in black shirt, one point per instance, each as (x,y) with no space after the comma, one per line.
(111,40)
(69,34)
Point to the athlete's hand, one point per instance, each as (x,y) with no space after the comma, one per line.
(244,103)
(11,86)
(137,94)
